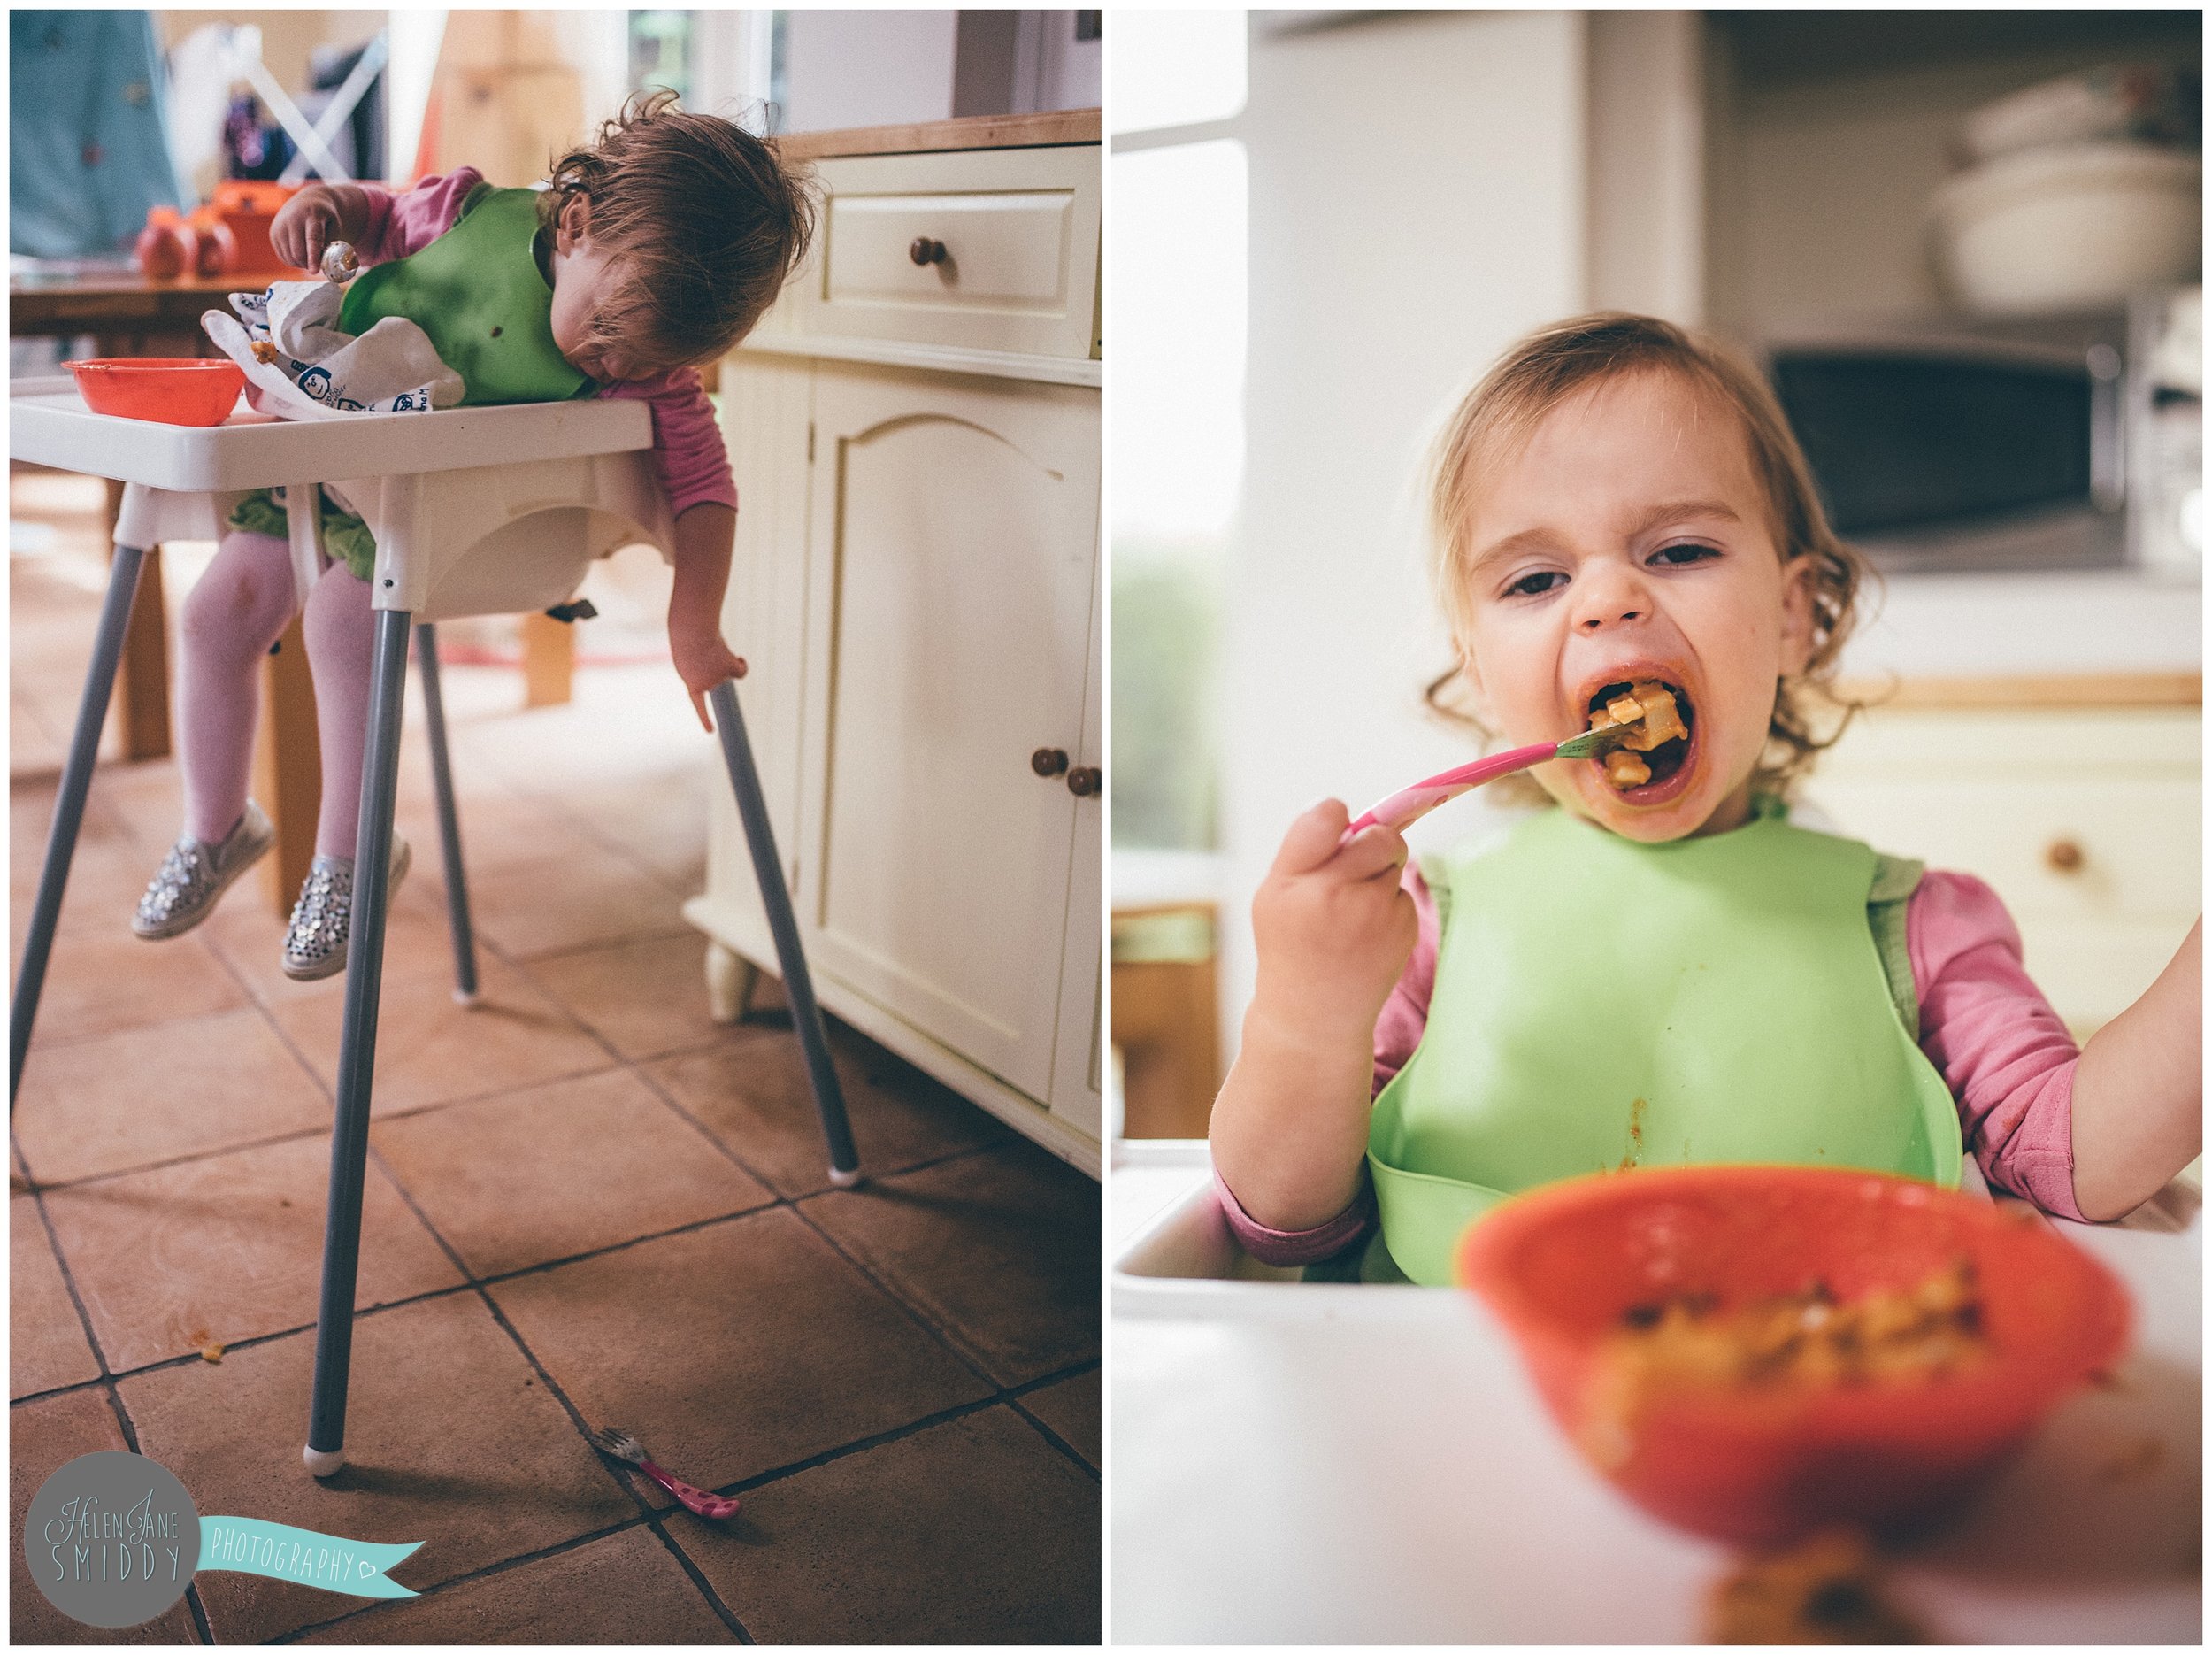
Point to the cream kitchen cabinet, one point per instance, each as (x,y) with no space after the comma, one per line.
(2088,820)
(917,595)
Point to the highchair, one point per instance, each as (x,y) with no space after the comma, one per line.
(475,511)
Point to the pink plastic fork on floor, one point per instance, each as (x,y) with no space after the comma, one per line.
(624,1446)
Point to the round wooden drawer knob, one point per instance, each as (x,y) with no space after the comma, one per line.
(2063,856)
(1084,782)
(1048,761)
(923,250)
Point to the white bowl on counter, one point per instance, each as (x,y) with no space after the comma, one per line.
(2068,225)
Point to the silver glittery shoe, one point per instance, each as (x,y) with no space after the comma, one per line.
(184,889)
(322,920)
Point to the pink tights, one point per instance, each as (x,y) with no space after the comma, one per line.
(238,609)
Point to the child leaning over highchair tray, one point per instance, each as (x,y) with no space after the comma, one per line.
(655,248)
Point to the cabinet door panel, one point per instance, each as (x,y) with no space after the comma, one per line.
(1077,1085)
(954,528)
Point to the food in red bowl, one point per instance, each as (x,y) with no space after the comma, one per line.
(1754,1352)
(172,390)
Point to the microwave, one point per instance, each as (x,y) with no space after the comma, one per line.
(2065,441)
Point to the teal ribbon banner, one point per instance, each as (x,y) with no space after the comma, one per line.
(251,1546)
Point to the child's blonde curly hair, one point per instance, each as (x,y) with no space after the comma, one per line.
(1542,372)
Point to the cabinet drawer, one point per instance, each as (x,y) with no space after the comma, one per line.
(2070,814)
(1008,241)
(2078,850)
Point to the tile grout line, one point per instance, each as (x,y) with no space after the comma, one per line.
(574,1542)
(553,1389)
(914,1313)
(473,1283)
(656,1516)
(106,1382)
(497,1279)
(652,1516)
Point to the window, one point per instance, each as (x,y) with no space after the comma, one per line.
(1177,298)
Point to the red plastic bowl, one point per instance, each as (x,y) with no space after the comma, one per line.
(174,390)
(1561,1263)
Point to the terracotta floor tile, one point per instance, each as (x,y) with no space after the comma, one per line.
(974,1531)
(228,1248)
(999,1249)
(43,1438)
(733,1350)
(752,1093)
(624,1588)
(146,799)
(31,801)
(106,878)
(498,830)
(172,978)
(247,934)
(450,1440)
(549,906)
(149,1095)
(1071,1408)
(47,1347)
(560,1169)
(34,748)
(659,821)
(646,998)
(430,1051)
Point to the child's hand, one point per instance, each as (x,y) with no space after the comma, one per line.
(1334,928)
(306,224)
(703,660)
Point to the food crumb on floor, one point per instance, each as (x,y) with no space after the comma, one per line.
(1824,1589)
(211,1353)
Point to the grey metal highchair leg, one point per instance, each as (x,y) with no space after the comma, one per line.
(456,890)
(76,781)
(798,985)
(356,1048)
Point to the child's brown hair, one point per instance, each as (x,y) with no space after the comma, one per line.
(1549,365)
(708,219)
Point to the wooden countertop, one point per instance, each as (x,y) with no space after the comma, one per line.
(2033,691)
(966,131)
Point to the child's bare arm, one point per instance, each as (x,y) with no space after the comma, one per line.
(705,536)
(1334,930)
(2138,1091)
(315,217)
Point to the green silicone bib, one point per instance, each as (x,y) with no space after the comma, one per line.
(478,292)
(1602,1004)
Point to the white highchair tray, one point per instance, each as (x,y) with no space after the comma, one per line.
(50,425)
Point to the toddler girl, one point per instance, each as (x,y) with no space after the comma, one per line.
(657,247)
(1660,968)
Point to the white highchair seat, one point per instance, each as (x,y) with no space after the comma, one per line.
(490,540)
(475,510)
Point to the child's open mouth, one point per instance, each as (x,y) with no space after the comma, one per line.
(1656,751)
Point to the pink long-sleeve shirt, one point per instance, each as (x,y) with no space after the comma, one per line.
(689,454)
(1987,1028)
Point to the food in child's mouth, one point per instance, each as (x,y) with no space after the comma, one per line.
(1824,1589)
(1792,1342)
(1663,733)
(1625,770)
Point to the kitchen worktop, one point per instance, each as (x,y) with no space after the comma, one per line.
(2077,622)
(1370,1465)
(965,132)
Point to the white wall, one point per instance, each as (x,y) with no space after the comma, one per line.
(1417,187)
(866,68)
(1647,197)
